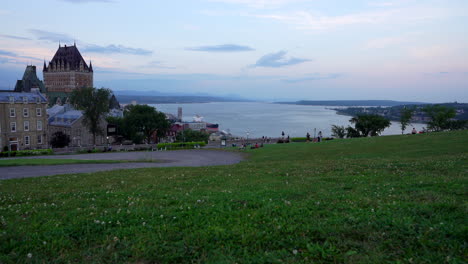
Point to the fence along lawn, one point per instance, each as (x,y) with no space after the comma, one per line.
(366,200)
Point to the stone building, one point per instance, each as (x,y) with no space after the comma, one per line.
(69,121)
(66,72)
(29,81)
(23,120)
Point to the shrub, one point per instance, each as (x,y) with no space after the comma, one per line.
(21,153)
(299,139)
(59,140)
(180,145)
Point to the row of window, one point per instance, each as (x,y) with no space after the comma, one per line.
(26,126)
(27,140)
(25,112)
(25,99)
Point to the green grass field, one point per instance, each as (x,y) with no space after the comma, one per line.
(395,199)
(36,162)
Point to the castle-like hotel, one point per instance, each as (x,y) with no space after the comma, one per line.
(35,110)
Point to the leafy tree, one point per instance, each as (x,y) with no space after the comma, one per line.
(95,105)
(370,125)
(59,140)
(338,131)
(351,132)
(145,120)
(192,136)
(458,124)
(440,116)
(405,117)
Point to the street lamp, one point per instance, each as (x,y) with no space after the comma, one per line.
(247,132)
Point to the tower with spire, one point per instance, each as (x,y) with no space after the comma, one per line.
(66,72)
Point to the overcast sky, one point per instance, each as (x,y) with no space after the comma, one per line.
(273,49)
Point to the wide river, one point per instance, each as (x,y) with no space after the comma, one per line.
(268,119)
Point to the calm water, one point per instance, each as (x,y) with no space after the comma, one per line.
(266,119)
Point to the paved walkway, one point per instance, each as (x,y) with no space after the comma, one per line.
(179,158)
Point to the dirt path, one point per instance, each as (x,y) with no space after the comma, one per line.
(180,158)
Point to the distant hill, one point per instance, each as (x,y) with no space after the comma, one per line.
(174,99)
(353,103)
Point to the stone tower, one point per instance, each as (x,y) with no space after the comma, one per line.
(66,72)
(29,81)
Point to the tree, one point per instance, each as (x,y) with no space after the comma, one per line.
(351,132)
(190,135)
(147,120)
(440,116)
(405,117)
(338,131)
(369,125)
(59,140)
(95,105)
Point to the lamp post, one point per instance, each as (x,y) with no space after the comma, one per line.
(247,133)
(107,142)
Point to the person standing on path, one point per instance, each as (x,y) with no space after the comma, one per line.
(319,136)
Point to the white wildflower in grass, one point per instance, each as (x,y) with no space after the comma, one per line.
(295,251)
(162,216)
(116,239)
(144,223)
(29,255)
(44,243)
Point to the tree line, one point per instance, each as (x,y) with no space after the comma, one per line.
(441,118)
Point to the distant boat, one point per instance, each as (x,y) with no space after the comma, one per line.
(198,118)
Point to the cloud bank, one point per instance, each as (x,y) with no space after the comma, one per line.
(222,48)
(278,59)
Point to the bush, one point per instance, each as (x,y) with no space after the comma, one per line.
(181,145)
(22,153)
(59,140)
(299,139)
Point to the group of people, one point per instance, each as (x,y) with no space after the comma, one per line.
(317,139)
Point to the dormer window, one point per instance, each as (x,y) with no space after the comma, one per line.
(12,99)
(25,99)
(38,99)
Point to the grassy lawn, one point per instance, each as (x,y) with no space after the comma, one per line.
(395,199)
(34,162)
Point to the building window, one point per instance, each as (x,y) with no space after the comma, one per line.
(12,99)
(25,99)
(26,125)
(12,112)
(39,139)
(38,99)
(26,140)
(38,111)
(39,125)
(13,126)
(25,112)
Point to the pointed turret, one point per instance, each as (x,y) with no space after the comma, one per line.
(90,66)
(45,67)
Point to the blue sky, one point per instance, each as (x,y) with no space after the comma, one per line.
(269,49)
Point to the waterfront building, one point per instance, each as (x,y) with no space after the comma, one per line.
(66,72)
(23,120)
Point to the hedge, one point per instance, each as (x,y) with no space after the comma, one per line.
(20,153)
(299,139)
(181,145)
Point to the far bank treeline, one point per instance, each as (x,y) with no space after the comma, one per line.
(139,124)
(393,113)
(373,123)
